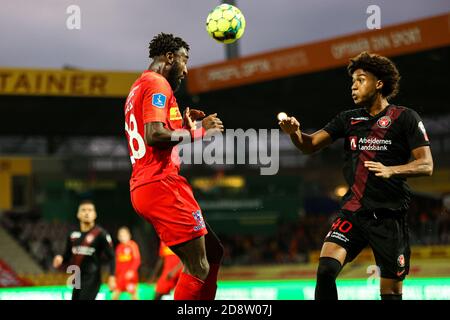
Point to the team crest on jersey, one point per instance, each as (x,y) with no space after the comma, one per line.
(159,100)
(384,122)
(401,261)
(199,219)
(89,238)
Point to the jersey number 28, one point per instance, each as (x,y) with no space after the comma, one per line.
(133,135)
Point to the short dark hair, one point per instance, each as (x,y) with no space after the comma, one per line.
(165,42)
(383,68)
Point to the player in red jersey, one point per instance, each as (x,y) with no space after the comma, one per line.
(128,260)
(168,270)
(159,194)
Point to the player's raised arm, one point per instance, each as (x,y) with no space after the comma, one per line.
(307,143)
(157,134)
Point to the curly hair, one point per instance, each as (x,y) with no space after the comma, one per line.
(165,42)
(383,68)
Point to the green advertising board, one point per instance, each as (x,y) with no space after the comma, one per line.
(413,289)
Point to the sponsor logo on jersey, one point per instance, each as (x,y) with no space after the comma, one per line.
(83,250)
(338,235)
(159,100)
(422,128)
(175,114)
(369,144)
(384,122)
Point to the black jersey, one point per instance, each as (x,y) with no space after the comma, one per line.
(86,250)
(389,137)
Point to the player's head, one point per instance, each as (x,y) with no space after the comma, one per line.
(124,234)
(86,212)
(173,52)
(372,75)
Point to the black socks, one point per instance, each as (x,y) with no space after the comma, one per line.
(327,273)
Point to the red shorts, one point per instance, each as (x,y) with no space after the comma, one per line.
(126,285)
(169,205)
(164,285)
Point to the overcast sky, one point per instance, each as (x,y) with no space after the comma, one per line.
(114,34)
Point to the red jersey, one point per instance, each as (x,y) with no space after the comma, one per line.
(151,99)
(127,257)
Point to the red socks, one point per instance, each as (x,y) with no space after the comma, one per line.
(188,287)
(192,288)
(208,291)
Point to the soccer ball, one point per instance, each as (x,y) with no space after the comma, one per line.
(225,23)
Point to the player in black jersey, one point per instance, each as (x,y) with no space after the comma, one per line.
(380,139)
(86,248)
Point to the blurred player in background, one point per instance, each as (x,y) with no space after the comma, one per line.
(128,260)
(168,269)
(85,249)
(153,124)
(380,139)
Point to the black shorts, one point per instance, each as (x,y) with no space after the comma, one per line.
(89,287)
(385,231)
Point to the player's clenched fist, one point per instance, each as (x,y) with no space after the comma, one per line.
(289,125)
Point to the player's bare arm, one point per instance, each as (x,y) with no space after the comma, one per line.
(307,143)
(157,134)
(422,165)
